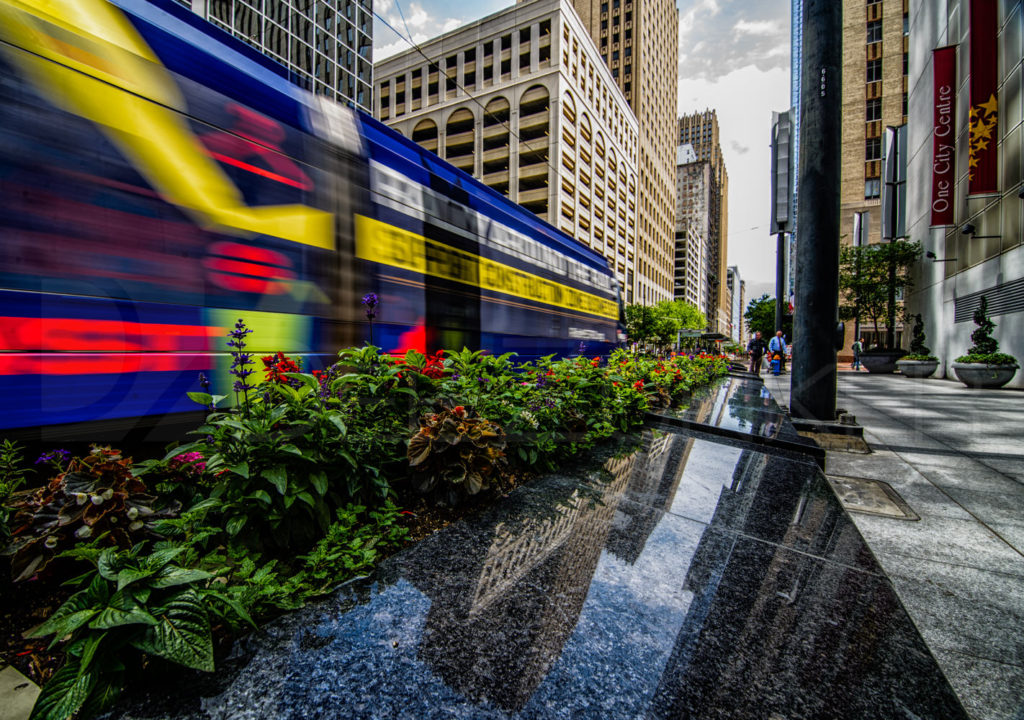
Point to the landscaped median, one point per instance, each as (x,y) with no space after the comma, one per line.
(295,488)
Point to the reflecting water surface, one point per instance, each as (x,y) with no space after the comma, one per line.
(685,578)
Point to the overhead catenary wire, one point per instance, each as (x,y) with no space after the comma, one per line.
(433,64)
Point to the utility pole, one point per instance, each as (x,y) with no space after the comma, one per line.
(815,321)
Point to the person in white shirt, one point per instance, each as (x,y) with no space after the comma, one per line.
(778,345)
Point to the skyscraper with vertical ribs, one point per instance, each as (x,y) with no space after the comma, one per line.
(639,41)
(326,47)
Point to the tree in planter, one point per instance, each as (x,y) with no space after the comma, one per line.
(986,348)
(918,350)
(872,278)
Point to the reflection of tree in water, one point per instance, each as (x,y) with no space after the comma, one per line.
(769,620)
(504,605)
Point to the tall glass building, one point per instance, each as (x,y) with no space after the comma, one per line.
(796,61)
(327,45)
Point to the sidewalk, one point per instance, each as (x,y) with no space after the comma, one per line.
(955,456)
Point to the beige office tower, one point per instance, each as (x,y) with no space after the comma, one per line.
(521,100)
(639,41)
(875,62)
(700,130)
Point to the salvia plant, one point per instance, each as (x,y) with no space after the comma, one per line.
(12,476)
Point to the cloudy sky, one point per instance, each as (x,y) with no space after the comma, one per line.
(733,57)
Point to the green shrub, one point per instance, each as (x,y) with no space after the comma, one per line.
(129,603)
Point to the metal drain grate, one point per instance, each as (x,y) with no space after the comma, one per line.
(871,497)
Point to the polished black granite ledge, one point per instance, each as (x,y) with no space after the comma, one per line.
(739,408)
(671,577)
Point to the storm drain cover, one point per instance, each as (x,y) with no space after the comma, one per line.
(871,497)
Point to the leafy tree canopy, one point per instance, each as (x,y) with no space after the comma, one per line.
(870,274)
(660,324)
(760,315)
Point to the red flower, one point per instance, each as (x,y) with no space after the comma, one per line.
(459,410)
(639,385)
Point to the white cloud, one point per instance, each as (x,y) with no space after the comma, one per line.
(757,27)
(418,24)
(743,100)
(717,38)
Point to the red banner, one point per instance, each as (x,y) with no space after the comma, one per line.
(944,135)
(984,116)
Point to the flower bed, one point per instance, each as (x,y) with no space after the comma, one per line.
(294,489)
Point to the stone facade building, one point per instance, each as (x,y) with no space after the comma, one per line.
(522,100)
(693,200)
(639,42)
(988,262)
(701,131)
(875,61)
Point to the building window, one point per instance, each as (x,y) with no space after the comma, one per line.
(874,70)
(906,64)
(874,31)
(874,110)
(872,188)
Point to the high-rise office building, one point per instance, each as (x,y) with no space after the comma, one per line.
(701,131)
(639,41)
(693,200)
(326,45)
(522,100)
(737,298)
(965,172)
(796,47)
(875,43)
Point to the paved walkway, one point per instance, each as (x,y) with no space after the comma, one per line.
(956,457)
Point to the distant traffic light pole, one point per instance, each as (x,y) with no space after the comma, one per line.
(813,383)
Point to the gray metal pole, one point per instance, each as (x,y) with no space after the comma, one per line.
(813,390)
(780,280)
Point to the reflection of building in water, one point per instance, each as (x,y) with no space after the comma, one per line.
(767,617)
(651,489)
(495,639)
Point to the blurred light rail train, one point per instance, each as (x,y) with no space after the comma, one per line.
(160,179)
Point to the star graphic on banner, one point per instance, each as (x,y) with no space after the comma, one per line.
(973,113)
(973,162)
(982,144)
(991,106)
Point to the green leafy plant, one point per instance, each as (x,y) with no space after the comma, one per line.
(986,348)
(918,350)
(12,476)
(129,603)
(457,452)
(96,498)
(351,546)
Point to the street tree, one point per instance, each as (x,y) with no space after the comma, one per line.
(872,280)
(760,315)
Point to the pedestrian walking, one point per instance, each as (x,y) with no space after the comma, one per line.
(756,349)
(777,346)
(858,348)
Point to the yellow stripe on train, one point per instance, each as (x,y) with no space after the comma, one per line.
(386,244)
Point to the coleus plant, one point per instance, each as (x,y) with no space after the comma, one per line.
(456,453)
(95,498)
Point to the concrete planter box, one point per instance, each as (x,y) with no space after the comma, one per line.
(980,375)
(883,362)
(917,368)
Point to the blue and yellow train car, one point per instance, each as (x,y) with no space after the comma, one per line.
(160,180)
